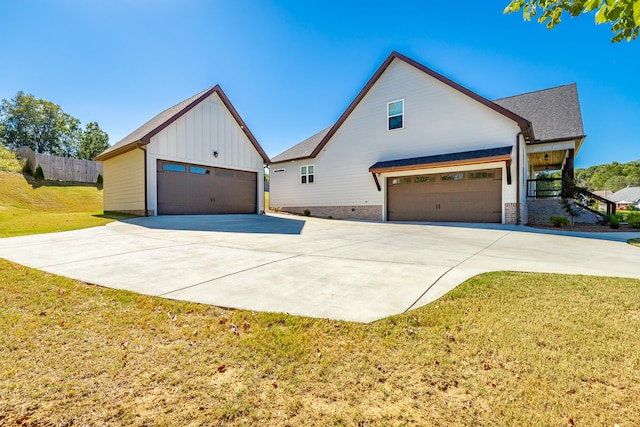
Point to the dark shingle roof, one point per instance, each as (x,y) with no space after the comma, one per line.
(554,113)
(144,133)
(629,194)
(302,149)
(442,158)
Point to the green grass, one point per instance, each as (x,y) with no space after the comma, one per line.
(9,162)
(501,349)
(634,242)
(32,207)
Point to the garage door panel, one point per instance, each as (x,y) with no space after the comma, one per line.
(451,197)
(197,189)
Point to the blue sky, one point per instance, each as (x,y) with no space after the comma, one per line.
(291,67)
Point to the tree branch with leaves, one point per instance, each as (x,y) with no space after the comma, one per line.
(623,15)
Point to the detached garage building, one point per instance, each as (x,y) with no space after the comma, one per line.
(197,157)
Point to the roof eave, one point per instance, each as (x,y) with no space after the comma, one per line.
(120,150)
(146,139)
(452,163)
(293,159)
(242,125)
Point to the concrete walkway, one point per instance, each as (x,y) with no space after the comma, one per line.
(359,271)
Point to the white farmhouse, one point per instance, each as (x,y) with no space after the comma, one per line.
(416,146)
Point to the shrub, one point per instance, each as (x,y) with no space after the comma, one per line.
(634,221)
(99,180)
(307,212)
(559,221)
(614,221)
(39,173)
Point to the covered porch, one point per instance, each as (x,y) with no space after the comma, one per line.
(544,195)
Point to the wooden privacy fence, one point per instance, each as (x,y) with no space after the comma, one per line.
(61,168)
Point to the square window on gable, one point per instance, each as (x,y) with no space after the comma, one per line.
(395,114)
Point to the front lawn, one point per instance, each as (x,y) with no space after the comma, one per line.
(33,207)
(501,349)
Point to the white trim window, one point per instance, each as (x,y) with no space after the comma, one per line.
(395,114)
(307,174)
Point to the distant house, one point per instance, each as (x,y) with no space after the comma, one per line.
(626,197)
(416,146)
(197,157)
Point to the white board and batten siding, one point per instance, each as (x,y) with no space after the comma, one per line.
(194,137)
(437,120)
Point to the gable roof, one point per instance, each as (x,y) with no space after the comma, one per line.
(303,149)
(554,113)
(464,157)
(300,150)
(143,135)
(629,194)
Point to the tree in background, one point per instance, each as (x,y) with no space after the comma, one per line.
(623,15)
(32,122)
(43,126)
(69,134)
(612,176)
(93,141)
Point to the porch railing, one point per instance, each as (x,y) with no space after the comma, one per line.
(556,188)
(544,188)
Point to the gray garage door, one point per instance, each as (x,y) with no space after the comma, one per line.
(474,196)
(187,189)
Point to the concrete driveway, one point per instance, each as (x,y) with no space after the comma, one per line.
(359,271)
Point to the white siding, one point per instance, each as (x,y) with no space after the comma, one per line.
(194,137)
(438,120)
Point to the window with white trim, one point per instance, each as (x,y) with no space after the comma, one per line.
(395,114)
(307,174)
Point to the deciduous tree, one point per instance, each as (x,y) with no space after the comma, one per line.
(623,15)
(93,141)
(42,126)
(32,122)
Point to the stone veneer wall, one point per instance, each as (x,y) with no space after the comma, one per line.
(367,212)
(540,210)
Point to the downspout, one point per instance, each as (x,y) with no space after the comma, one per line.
(518,135)
(146,210)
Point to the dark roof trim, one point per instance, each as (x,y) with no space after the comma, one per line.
(523,123)
(451,159)
(242,124)
(146,139)
(567,138)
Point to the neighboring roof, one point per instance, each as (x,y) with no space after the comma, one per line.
(465,157)
(303,149)
(629,194)
(294,152)
(554,113)
(143,135)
